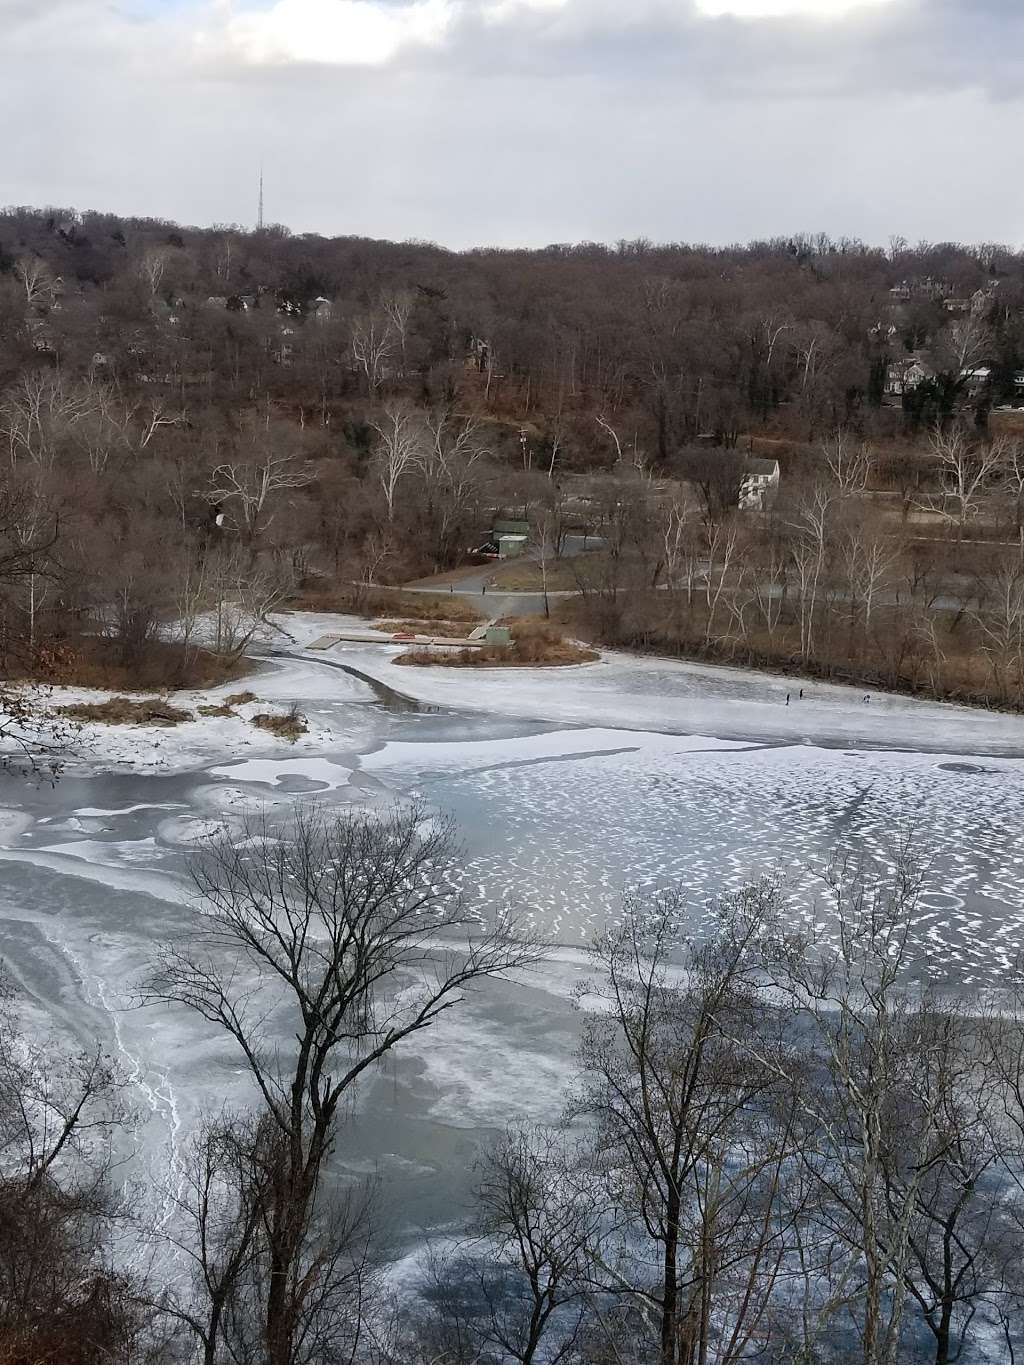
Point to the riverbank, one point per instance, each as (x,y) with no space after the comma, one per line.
(638,692)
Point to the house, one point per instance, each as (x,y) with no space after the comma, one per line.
(759,484)
(478,355)
(44,345)
(321,309)
(957,305)
(975,378)
(904,375)
(1018,382)
(511,547)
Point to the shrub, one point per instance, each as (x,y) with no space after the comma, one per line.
(289,726)
(125,711)
(162,666)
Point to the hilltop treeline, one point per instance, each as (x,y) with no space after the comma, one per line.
(205,421)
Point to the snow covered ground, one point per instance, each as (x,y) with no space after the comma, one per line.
(328,700)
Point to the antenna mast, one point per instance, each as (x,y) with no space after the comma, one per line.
(259,224)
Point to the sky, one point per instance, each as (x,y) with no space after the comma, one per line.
(524,122)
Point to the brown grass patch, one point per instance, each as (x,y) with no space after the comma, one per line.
(564,575)
(240,698)
(289,726)
(95,662)
(448,630)
(535,644)
(382,602)
(125,711)
(215,711)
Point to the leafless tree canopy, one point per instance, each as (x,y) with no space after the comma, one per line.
(341,927)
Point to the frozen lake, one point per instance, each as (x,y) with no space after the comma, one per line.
(569,787)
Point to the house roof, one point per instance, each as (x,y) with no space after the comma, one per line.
(760,466)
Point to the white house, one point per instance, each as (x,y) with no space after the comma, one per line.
(904,375)
(760,482)
(976,377)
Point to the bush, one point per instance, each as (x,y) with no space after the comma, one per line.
(161,667)
(289,726)
(240,698)
(124,711)
(378,602)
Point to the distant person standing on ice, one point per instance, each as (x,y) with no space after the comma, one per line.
(787,698)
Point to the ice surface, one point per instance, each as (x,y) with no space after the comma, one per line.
(640,693)
(401,757)
(274,771)
(568,786)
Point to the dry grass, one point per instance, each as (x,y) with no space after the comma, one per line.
(381,602)
(448,630)
(240,698)
(223,711)
(289,726)
(563,574)
(125,711)
(535,644)
(162,667)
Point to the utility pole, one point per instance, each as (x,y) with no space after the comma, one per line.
(259,222)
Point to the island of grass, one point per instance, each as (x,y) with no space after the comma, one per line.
(534,644)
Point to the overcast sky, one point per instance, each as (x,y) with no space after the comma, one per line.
(523,122)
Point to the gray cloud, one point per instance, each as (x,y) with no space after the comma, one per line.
(521,120)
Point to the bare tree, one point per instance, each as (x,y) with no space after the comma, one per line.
(848,461)
(401,446)
(875,1111)
(372,343)
(1000,626)
(337,921)
(152,267)
(965,469)
(242,596)
(63,1116)
(249,487)
(398,310)
(541,1225)
(671,1092)
(218,1204)
(958,1232)
(809,552)
(36,280)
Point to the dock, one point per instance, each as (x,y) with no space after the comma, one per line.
(368,637)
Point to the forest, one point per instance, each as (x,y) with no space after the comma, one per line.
(221,422)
